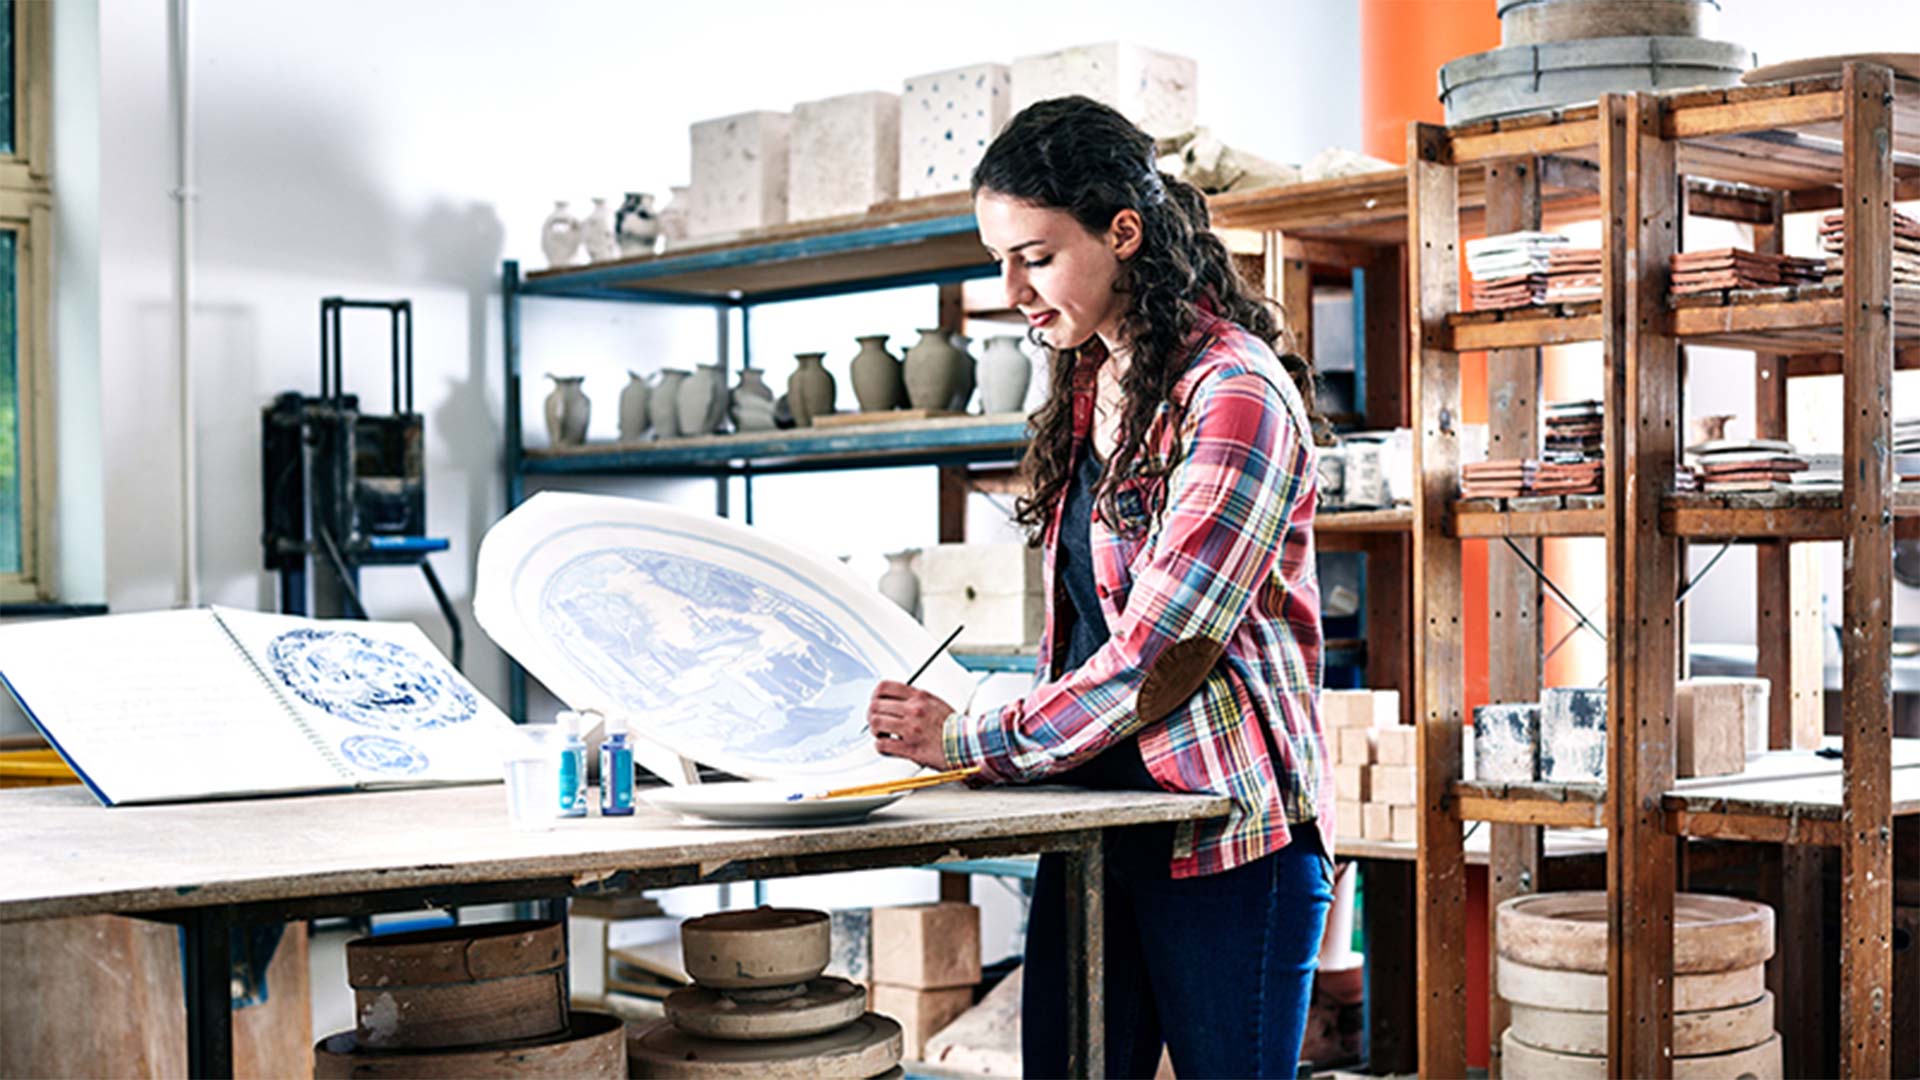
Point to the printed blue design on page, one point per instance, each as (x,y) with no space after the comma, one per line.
(367,681)
(381,754)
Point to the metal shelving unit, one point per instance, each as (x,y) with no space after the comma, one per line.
(1850,141)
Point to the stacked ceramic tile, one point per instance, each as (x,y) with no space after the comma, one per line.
(1906,246)
(1906,449)
(1551,969)
(1732,465)
(489,999)
(1573,274)
(1822,473)
(1573,450)
(1685,478)
(1509,478)
(1375,781)
(761,1006)
(1511,270)
(1737,268)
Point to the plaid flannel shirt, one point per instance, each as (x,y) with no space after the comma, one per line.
(1214,610)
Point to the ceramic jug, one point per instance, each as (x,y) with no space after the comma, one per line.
(560,235)
(752,402)
(567,411)
(635,225)
(633,407)
(702,400)
(597,233)
(664,409)
(933,371)
(811,391)
(877,380)
(1005,372)
(967,371)
(900,584)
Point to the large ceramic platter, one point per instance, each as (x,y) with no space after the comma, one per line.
(762,803)
(725,646)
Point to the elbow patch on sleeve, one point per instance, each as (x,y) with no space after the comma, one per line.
(1175,675)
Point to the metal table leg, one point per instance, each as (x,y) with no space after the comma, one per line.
(209,978)
(1086,956)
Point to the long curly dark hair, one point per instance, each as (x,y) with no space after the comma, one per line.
(1077,155)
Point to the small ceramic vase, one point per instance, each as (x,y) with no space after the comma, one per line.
(783,412)
(932,371)
(597,233)
(567,411)
(877,380)
(702,400)
(664,409)
(811,391)
(1005,372)
(900,584)
(674,224)
(633,407)
(635,225)
(560,236)
(752,402)
(968,371)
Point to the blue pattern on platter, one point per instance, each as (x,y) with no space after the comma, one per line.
(381,754)
(711,654)
(367,681)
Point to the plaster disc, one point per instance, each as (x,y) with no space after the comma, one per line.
(1580,991)
(1714,1031)
(823,1005)
(867,1047)
(1567,931)
(758,949)
(1519,1061)
(590,1048)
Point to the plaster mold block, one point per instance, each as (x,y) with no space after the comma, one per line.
(844,155)
(1506,743)
(739,172)
(946,121)
(730,649)
(1155,90)
(1573,735)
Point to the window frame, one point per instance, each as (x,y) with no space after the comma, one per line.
(26,209)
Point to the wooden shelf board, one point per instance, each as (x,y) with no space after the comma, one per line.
(1565,806)
(1514,328)
(927,442)
(1795,319)
(1554,515)
(1391,520)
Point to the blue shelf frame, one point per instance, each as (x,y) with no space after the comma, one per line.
(724,279)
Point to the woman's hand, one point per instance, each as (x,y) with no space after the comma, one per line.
(908,723)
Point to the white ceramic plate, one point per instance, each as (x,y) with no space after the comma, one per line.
(761,803)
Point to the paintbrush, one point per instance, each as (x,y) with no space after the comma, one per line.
(910,783)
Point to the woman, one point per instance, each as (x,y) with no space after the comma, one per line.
(1172,491)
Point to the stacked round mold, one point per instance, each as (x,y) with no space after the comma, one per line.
(759,1006)
(485,1001)
(1552,971)
(1558,52)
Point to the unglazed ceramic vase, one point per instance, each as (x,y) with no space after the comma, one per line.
(567,411)
(1005,372)
(933,371)
(597,233)
(634,399)
(701,400)
(673,216)
(900,584)
(636,226)
(560,235)
(877,380)
(664,409)
(968,370)
(751,403)
(811,391)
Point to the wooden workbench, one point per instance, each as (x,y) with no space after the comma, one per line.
(213,865)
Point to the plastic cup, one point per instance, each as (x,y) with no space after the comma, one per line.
(533,781)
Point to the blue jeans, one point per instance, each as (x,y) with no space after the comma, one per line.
(1219,967)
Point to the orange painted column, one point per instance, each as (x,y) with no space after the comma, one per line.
(1402,45)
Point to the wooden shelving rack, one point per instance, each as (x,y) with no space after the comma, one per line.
(1753,154)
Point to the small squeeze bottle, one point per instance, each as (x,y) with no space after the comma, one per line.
(616,769)
(573,767)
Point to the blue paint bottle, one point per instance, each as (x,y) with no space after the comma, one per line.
(573,767)
(616,769)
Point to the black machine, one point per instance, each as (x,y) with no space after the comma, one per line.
(345,486)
